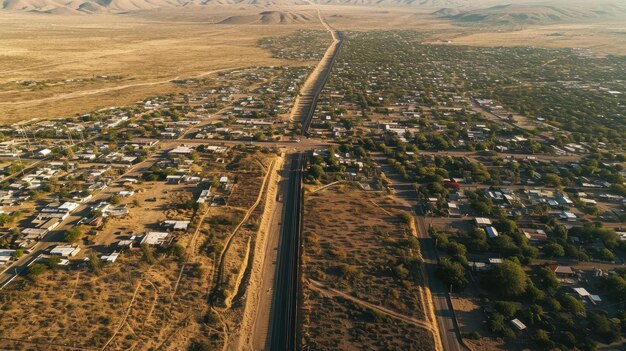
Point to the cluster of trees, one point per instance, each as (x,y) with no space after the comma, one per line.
(327,168)
(555,317)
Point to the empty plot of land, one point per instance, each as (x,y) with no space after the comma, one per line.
(363,249)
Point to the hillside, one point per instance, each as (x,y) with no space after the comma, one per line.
(270,17)
(124,6)
(537,13)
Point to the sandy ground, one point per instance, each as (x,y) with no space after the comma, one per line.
(351,231)
(601,38)
(78,64)
(253,328)
(306,90)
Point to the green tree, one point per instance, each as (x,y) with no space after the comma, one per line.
(507,279)
(572,304)
(148,253)
(95,264)
(547,279)
(18,253)
(553,250)
(36,270)
(115,199)
(73,235)
(452,273)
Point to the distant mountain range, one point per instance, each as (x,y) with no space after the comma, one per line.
(270,11)
(124,6)
(537,13)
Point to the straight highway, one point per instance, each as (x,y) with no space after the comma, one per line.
(283,329)
(283,319)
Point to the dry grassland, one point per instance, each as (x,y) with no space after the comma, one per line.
(79,309)
(606,37)
(600,38)
(63,58)
(361,282)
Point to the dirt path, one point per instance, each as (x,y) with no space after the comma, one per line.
(229,240)
(123,322)
(253,329)
(191,250)
(328,291)
(82,93)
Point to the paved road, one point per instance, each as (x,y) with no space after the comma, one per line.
(283,329)
(405,192)
(260,333)
(303,145)
(283,319)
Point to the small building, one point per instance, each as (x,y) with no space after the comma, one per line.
(176,225)
(65,250)
(534,235)
(562,271)
(44,152)
(111,257)
(491,232)
(518,324)
(482,222)
(155,238)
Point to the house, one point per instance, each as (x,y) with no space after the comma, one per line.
(491,232)
(567,216)
(65,250)
(534,235)
(453,209)
(174,179)
(66,208)
(155,238)
(478,266)
(180,150)
(482,222)
(44,152)
(562,271)
(582,292)
(111,257)
(6,255)
(126,244)
(176,225)
(495,260)
(204,196)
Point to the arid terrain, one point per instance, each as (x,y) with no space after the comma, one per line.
(361,276)
(312,174)
(52,66)
(60,64)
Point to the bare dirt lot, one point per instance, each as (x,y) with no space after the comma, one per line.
(361,276)
(54,66)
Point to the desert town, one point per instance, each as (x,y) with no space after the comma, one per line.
(427,196)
